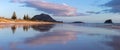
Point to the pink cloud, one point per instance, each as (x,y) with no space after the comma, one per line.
(51,38)
(51,8)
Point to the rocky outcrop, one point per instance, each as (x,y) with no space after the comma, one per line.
(44,17)
(108,21)
(77,22)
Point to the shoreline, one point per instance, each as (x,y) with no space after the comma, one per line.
(27,22)
(21,21)
(19,24)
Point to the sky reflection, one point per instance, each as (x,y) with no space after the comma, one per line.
(52,37)
(59,37)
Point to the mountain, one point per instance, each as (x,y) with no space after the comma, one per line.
(44,17)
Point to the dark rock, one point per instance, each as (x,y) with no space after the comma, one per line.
(44,17)
(60,21)
(108,21)
(77,22)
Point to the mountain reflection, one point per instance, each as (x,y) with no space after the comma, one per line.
(58,37)
(43,27)
(52,37)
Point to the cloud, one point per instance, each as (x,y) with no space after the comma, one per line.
(51,8)
(114,6)
(18,1)
(93,12)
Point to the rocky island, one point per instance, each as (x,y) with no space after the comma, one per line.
(77,22)
(108,21)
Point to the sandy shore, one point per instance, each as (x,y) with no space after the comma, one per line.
(18,21)
(19,24)
(24,23)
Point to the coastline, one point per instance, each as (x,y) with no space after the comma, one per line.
(9,21)
(19,24)
(27,23)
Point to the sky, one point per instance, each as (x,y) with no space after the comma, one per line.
(91,11)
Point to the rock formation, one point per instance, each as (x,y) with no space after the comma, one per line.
(108,21)
(77,22)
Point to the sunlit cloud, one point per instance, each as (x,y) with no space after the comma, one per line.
(51,8)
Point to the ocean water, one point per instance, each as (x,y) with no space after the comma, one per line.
(60,37)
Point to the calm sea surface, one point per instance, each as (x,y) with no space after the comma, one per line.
(60,37)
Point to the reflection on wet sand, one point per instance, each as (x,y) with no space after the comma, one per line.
(115,43)
(13,46)
(67,36)
(26,27)
(43,27)
(13,28)
(1,48)
(52,37)
(109,26)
